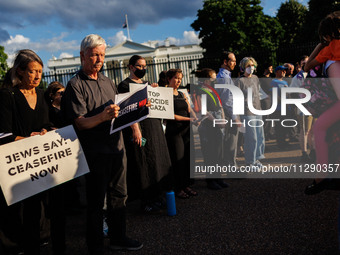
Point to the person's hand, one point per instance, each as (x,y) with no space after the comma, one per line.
(137,137)
(148,104)
(111,112)
(154,85)
(197,123)
(42,132)
(239,123)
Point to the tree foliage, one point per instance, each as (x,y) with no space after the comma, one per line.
(3,63)
(317,11)
(236,25)
(291,15)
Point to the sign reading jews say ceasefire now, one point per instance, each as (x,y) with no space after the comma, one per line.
(34,164)
(162,101)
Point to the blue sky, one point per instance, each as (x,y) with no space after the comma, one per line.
(57,27)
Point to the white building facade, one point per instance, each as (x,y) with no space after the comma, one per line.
(158,58)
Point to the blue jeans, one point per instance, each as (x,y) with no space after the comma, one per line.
(254,142)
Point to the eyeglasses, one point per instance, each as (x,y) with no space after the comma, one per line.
(61,92)
(141,67)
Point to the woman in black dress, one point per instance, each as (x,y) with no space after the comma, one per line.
(24,113)
(178,137)
(149,166)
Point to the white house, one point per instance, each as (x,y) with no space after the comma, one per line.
(158,58)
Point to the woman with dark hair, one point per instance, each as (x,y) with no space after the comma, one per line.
(162,81)
(24,113)
(54,93)
(178,137)
(149,166)
(211,136)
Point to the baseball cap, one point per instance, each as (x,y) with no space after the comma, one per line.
(280,68)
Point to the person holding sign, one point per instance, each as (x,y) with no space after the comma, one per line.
(178,136)
(88,104)
(24,113)
(149,166)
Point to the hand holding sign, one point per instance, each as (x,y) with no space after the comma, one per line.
(110,112)
(42,132)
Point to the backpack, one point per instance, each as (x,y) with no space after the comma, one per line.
(322,93)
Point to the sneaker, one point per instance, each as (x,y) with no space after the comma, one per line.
(213,186)
(222,183)
(252,168)
(160,203)
(258,164)
(151,208)
(126,244)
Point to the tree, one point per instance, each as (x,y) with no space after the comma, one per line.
(291,15)
(236,25)
(317,11)
(3,63)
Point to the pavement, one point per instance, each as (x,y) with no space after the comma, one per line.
(252,216)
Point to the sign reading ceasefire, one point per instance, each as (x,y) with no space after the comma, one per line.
(34,164)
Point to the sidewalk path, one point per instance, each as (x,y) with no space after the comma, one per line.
(252,216)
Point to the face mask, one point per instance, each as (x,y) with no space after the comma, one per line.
(140,73)
(250,69)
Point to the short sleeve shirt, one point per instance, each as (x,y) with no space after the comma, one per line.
(85,96)
(252,82)
(276,83)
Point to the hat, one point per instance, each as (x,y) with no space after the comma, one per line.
(280,68)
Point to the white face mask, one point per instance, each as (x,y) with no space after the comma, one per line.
(250,69)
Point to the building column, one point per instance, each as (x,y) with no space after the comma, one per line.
(156,71)
(121,70)
(105,69)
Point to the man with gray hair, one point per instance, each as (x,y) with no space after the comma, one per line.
(88,103)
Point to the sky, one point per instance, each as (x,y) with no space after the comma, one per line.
(57,27)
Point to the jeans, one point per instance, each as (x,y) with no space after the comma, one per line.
(254,142)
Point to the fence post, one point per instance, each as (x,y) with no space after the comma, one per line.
(168,61)
(55,74)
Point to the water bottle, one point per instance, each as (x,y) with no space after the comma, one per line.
(171,204)
(105,228)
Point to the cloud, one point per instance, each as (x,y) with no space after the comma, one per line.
(189,37)
(100,14)
(55,44)
(117,38)
(65,55)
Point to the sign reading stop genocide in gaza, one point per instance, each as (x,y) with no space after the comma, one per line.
(35,164)
(162,101)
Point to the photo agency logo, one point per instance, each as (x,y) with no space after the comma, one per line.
(240,99)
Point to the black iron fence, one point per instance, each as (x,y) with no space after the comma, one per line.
(289,53)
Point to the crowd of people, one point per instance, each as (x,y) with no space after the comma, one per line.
(142,161)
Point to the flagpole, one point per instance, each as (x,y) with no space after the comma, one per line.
(127,26)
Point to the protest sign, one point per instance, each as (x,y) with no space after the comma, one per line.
(162,101)
(185,92)
(132,109)
(34,164)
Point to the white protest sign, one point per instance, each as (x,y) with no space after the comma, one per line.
(185,92)
(32,165)
(162,101)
